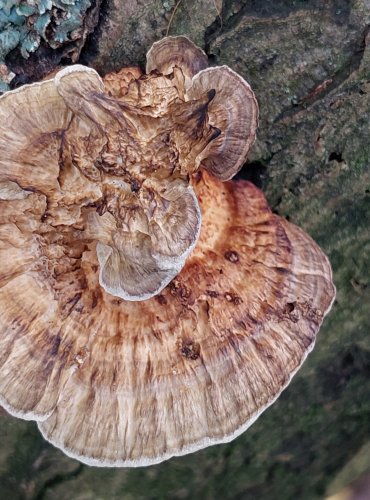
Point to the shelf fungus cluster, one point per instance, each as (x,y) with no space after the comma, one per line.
(147,308)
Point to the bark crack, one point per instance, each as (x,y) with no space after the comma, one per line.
(330,84)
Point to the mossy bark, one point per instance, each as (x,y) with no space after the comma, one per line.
(309,64)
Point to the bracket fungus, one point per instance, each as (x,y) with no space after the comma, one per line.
(130,330)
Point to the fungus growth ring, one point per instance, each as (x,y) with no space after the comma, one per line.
(147,309)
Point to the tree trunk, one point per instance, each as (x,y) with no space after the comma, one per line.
(309,65)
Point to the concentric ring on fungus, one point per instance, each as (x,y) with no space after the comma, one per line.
(131,330)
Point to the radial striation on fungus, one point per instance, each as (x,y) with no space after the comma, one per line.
(148,309)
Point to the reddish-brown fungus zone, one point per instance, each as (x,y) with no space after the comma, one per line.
(147,308)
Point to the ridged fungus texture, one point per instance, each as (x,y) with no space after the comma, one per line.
(147,308)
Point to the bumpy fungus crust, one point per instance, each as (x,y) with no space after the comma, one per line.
(102,184)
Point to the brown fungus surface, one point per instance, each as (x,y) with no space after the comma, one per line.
(176,52)
(130,330)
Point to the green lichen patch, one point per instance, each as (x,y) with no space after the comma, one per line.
(26,27)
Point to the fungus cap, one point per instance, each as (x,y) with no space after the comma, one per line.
(100,201)
(176,51)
